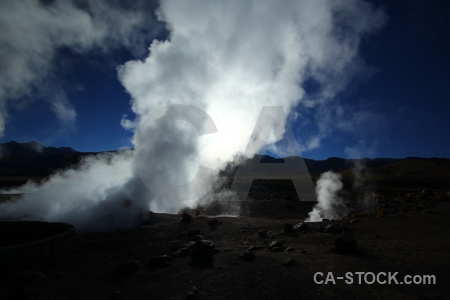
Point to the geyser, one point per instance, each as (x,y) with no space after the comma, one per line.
(229,59)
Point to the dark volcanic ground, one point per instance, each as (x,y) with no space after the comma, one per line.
(410,243)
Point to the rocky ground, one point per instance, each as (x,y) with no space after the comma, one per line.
(201,257)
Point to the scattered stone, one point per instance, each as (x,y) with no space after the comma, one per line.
(125,269)
(345,243)
(254,248)
(262,234)
(203,251)
(354,221)
(301,227)
(248,256)
(192,294)
(189,245)
(245,228)
(288,228)
(199,237)
(186,218)
(274,244)
(276,249)
(290,263)
(29,276)
(160,262)
(290,249)
(181,252)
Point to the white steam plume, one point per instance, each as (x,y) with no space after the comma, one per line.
(329,205)
(101,193)
(228,58)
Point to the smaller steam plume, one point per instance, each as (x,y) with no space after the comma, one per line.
(330,205)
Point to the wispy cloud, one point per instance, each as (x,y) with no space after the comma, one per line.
(33,32)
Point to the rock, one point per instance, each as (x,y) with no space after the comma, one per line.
(254,248)
(248,256)
(192,294)
(276,249)
(245,228)
(29,276)
(301,227)
(186,218)
(290,263)
(199,237)
(262,234)
(189,245)
(289,249)
(427,193)
(193,232)
(345,243)
(203,251)
(159,262)
(288,228)
(125,269)
(274,244)
(181,252)
(354,221)
(335,228)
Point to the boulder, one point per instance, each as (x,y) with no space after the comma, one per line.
(335,228)
(193,232)
(290,263)
(203,251)
(159,262)
(254,248)
(301,227)
(275,244)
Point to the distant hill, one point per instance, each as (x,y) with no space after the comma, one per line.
(31,150)
(19,161)
(33,159)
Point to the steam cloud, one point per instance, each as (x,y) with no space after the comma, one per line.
(228,58)
(329,205)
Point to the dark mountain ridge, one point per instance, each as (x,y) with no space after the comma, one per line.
(33,159)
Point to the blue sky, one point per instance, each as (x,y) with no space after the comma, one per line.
(402,94)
